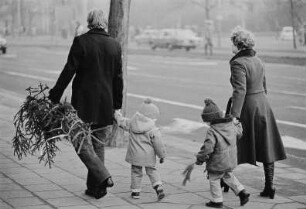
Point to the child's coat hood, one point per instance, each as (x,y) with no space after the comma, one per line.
(223,129)
(141,124)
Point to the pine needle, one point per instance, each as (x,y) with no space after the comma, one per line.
(41,124)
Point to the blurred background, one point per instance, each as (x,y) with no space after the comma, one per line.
(58,19)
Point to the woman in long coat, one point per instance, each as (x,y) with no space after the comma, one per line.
(261,140)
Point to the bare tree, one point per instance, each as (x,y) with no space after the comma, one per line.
(118,28)
(206,5)
(293,23)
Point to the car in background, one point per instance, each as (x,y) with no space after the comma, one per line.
(146,36)
(3,45)
(176,39)
(286,33)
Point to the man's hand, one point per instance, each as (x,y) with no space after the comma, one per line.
(53,97)
(117,115)
(161,160)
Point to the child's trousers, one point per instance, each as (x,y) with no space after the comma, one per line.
(136,176)
(215,187)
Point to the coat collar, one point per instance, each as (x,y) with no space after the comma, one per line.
(222,120)
(98,31)
(244,53)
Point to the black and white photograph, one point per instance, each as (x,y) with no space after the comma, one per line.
(152,104)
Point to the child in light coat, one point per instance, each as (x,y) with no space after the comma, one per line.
(219,151)
(144,144)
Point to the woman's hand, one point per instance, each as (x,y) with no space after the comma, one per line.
(236,120)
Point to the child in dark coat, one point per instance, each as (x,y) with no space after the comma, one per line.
(219,151)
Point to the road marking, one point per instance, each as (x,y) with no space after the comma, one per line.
(9,55)
(183,126)
(132,68)
(29,76)
(201,108)
(187,126)
(45,71)
(297,107)
(185,63)
(166,101)
(156,99)
(291,142)
(290,78)
(291,123)
(179,125)
(288,93)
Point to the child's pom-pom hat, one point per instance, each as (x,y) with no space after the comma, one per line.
(148,109)
(211,111)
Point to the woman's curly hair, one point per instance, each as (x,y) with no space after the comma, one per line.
(242,38)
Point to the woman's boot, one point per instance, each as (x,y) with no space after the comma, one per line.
(269,190)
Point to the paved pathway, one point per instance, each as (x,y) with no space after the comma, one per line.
(27,184)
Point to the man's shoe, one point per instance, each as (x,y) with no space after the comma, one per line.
(244,197)
(214,204)
(97,194)
(100,193)
(90,193)
(107,183)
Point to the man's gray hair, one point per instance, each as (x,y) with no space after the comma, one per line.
(96,19)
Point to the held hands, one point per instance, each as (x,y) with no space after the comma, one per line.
(117,115)
(235,121)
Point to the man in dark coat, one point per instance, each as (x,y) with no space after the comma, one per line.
(95,61)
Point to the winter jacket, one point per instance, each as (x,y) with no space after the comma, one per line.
(145,140)
(219,150)
(95,63)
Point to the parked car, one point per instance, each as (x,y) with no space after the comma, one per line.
(286,33)
(3,44)
(176,39)
(146,36)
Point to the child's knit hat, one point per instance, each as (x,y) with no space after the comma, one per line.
(148,109)
(211,111)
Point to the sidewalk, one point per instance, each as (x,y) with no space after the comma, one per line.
(26,184)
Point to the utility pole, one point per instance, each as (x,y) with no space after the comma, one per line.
(292,23)
(118,28)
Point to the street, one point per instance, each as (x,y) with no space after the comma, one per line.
(178,85)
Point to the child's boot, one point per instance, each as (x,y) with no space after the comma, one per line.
(244,197)
(159,191)
(135,195)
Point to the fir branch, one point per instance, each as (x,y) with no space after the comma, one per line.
(40,125)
